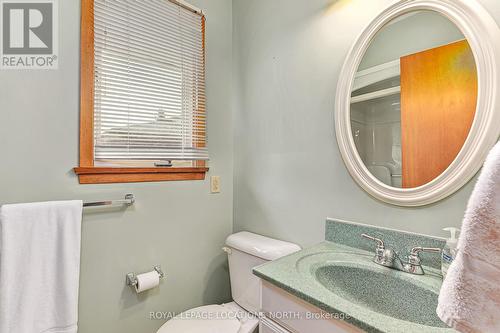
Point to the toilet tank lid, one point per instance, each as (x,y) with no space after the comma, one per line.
(260,246)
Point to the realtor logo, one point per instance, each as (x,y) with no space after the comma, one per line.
(29,34)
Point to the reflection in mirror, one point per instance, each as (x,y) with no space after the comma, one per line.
(413,99)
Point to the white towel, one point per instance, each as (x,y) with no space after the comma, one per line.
(469,300)
(39,267)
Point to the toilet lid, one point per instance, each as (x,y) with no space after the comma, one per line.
(204,319)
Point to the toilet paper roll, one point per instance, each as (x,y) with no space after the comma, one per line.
(147,281)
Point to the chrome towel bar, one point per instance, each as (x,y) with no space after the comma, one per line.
(127,201)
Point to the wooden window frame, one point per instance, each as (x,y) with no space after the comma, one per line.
(87,172)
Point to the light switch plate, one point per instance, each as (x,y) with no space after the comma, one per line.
(215,184)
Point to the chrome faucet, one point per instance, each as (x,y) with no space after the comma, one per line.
(389,258)
(414,263)
(383,256)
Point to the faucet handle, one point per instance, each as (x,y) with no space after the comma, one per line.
(383,256)
(416,250)
(380,243)
(414,258)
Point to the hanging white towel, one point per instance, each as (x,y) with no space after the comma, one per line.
(469,300)
(40,267)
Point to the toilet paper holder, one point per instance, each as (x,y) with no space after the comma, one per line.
(132,277)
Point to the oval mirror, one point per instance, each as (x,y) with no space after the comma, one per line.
(413,99)
(415,103)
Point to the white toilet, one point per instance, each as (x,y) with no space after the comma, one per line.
(245,250)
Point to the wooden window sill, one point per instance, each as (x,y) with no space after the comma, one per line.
(106,175)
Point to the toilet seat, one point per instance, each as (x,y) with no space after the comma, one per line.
(225,318)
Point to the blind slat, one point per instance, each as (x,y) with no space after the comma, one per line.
(149,81)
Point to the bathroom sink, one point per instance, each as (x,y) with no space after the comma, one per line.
(339,279)
(383,291)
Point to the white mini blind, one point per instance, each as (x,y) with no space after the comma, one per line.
(149,97)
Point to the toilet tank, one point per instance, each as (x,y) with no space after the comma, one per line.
(245,251)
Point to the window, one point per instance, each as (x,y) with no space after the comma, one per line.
(142,92)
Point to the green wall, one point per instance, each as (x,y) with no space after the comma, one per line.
(176,224)
(272,69)
(415,33)
(289,175)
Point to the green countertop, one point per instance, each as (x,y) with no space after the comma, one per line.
(297,274)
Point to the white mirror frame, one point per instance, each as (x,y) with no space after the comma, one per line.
(483,35)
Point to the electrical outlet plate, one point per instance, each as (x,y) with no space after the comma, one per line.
(215,184)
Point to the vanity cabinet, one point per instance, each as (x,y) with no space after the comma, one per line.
(284,312)
(266,325)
